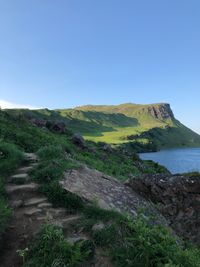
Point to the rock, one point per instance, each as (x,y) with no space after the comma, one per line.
(98,226)
(64,223)
(56,212)
(107,148)
(21,188)
(162,111)
(178,195)
(44,205)
(34,201)
(59,127)
(38,122)
(19,178)
(25,169)
(78,140)
(94,186)
(32,211)
(31,157)
(17,204)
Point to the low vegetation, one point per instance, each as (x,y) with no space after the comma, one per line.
(136,242)
(10,158)
(50,248)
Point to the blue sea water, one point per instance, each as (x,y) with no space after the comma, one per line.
(178,160)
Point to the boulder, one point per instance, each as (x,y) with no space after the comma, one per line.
(78,140)
(107,148)
(107,192)
(38,122)
(59,127)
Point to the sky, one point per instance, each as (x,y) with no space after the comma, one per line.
(66,53)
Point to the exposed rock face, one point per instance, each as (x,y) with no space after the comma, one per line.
(109,193)
(78,140)
(179,197)
(38,122)
(56,126)
(161,111)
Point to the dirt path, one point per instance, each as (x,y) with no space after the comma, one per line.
(30,210)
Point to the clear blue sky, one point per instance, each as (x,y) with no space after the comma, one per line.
(66,53)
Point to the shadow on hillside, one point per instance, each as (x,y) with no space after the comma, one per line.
(86,122)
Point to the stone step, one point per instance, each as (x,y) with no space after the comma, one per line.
(56,213)
(21,188)
(34,164)
(17,204)
(32,211)
(20,178)
(31,157)
(65,222)
(35,201)
(44,205)
(25,169)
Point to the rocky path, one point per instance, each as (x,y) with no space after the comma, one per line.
(30,210)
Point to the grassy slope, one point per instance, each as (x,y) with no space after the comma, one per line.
(112,124)
(178,135)
(16,129)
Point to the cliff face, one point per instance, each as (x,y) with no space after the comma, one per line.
(161,112)
(158,111)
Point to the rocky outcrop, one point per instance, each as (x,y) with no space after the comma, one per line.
(159,111)
(78,140)
(56,126)
(94,186)
(178,199)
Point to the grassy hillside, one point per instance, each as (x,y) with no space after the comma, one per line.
(153,123)
(16,129)
(147,127)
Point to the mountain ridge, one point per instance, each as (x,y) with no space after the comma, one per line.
(157,110)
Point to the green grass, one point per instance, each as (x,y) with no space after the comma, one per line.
(164,133)
(10,158)
(50,248)
(111,124)
(136,242)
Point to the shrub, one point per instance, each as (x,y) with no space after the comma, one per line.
(137,243)
(10,158)
(51,152)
